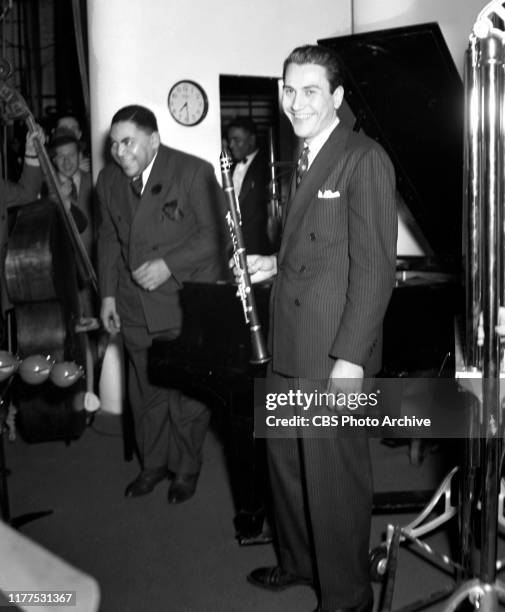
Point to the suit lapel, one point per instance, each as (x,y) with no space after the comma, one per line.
(158,186)
(250,177)
(123,197)
(302,197)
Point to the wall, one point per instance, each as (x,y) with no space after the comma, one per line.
(139,48)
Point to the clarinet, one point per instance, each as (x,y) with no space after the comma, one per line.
(259,353)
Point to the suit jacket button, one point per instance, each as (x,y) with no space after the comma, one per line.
(312,236)
(302,268)
(297,302)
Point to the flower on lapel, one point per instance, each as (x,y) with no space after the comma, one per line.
(172,211)
(156,189)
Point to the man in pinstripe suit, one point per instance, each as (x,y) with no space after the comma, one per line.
(334,274)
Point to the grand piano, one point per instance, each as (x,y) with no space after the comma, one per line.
(403,89)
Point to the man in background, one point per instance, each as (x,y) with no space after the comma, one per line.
(75,183)
(71,123)
(251,178)
(161,223)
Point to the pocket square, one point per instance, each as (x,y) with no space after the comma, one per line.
(172,211)
(328,194)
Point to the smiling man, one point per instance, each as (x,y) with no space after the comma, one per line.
(76,185)
(334,274)
(251,180)
(161,224)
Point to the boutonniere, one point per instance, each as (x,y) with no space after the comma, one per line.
(156,189)
(172,211)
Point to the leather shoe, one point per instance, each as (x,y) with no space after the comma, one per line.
(367,606)
(275,579)
(146,481)
(182,488)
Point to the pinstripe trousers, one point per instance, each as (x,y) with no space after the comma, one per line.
(322,497)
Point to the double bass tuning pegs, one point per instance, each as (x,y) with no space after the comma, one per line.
(37,369)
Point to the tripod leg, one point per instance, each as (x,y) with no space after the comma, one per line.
(4,493)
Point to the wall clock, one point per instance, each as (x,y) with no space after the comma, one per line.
(187,102)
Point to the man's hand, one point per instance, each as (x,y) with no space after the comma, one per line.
(151,274)
(84,163)
(37,133)
(260,267)
(109,316)
(345,377)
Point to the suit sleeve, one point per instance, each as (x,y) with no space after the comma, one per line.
(108,247)
(207,241)
(254,209)
(372,234)
(26,189)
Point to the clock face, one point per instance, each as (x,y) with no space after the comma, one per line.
(187,103)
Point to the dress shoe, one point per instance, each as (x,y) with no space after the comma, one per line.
(146,481)
(367,606)
(182,488)
(275,579)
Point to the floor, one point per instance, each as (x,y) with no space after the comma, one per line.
(148,555)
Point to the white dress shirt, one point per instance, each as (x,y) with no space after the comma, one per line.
(240,171)
(317,143)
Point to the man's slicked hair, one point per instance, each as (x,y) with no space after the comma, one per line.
(321,56)
(141,116)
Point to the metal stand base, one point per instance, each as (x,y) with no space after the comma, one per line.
(483,597)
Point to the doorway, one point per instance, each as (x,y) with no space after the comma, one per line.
(258,98)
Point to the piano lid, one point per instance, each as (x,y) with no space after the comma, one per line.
(405,91)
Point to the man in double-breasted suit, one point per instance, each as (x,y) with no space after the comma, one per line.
(160,225)
(251,180)
(334,275)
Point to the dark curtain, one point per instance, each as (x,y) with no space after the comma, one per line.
(71,58)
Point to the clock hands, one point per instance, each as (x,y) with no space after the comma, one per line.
(187,102)
(185,106)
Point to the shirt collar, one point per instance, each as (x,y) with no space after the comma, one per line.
(75,178)
(248,158)
(147,172)
(317,143)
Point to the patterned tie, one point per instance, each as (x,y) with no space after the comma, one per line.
(302,165)
(137,185)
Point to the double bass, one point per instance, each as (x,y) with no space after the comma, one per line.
(46,266)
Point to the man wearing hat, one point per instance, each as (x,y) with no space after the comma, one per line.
(76,185)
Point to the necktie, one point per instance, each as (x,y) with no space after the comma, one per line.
(137,185)
(73,192)
(302,164)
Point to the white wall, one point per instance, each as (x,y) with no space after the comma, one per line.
(140,48)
